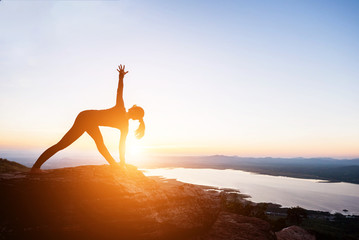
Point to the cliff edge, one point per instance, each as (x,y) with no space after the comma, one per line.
(97,202)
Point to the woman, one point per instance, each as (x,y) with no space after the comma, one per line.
(90,120)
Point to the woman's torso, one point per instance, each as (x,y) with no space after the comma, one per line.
(112,117)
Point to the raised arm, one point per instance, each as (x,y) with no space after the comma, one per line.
(122,73)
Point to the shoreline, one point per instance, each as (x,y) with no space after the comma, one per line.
(245,197)
(290,192)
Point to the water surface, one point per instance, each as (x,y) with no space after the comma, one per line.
(289,192)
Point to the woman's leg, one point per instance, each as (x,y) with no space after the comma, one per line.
(72,135)
(95,133)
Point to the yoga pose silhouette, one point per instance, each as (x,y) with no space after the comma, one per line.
(90,120)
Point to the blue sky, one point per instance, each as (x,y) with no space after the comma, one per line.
(249,78)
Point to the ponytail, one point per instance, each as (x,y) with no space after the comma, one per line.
(141,129)
(137,113)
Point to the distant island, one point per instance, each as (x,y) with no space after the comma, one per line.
(329,169)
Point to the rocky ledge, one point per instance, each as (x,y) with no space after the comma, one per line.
(97,202)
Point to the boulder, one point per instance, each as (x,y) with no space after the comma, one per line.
(230,226)
(294,233)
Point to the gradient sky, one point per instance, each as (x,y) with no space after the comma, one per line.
(248,78)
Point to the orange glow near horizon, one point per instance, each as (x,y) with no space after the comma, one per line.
(139,148)
(337,148)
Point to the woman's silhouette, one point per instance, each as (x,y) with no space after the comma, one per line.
(90,120)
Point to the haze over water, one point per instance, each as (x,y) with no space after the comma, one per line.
(289,192)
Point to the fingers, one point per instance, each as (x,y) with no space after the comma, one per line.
(120,67)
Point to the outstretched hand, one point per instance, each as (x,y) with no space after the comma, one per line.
(121,70)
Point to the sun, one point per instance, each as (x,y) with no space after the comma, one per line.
(135,149)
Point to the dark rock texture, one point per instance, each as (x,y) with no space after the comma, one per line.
(230,226)
(294,233)
(98,202)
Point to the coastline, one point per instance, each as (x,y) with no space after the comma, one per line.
(289,192)
(276,209)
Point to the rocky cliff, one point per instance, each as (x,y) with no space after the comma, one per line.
(97,202)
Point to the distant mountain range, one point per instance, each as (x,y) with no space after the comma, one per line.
(316,168)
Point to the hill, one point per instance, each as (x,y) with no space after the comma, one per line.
(10,166)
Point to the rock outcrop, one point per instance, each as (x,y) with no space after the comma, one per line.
(294,233)
(230,226)
(97,202)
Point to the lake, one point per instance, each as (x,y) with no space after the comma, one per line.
(289,192)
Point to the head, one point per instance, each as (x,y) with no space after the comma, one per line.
(137,113)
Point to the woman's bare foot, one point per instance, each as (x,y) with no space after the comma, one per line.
(122,165)
(36,171)
(118,168)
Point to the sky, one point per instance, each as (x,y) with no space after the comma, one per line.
(247,78)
